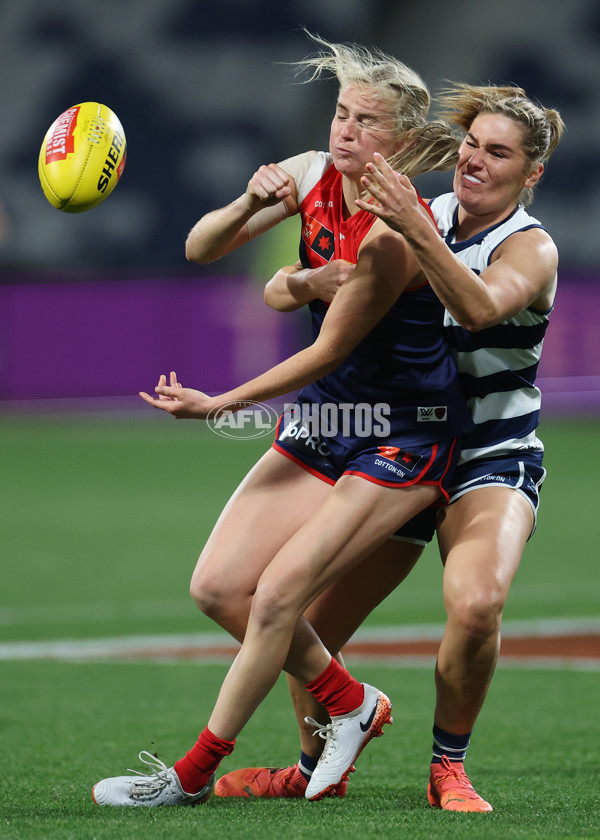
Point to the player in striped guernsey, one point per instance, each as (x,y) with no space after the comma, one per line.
(498,365)
(494,268)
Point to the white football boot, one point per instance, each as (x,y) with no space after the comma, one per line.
(161,787)
(345,738)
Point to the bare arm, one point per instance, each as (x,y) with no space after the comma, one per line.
(294,286)
(385,267)
(269,198)
(522,273)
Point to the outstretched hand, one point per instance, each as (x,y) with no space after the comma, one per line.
(182,403)
(395,196)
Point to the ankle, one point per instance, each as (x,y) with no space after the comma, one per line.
(198,764)
(337,690)
(306,765)
(448,744)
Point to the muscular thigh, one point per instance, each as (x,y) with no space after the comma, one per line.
(339,611)
(272,502)
(356,519)
(481,538)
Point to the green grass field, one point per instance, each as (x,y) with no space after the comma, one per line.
(103,518)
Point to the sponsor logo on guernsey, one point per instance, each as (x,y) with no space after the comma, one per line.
(62,142)
(318,238)
(432,413)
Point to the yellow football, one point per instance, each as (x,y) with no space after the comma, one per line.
(82,157)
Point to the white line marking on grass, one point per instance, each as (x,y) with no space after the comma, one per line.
(525,663)
(120,648)
(219,647)
(536,627)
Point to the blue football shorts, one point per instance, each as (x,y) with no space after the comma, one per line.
(522,472)
(386,461)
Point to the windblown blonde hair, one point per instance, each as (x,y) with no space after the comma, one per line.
(426,146)
(541,127)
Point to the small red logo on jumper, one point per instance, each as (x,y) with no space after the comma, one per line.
(318,238)
(62,142)
(389,452)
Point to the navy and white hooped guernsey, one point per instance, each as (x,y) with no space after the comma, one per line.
(498,365)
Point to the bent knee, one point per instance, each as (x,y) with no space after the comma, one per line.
(274,607)
(478,614)
(221,598)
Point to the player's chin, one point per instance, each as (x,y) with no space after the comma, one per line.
(348,164)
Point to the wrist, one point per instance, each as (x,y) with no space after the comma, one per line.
(248,205)
(301,286)
(422,234)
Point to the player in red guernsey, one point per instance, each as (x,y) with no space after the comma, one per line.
(403,354)
(286,535)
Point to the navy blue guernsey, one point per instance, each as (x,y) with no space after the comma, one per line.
(404,361)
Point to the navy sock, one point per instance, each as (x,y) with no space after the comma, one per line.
(306,765)
(452,746)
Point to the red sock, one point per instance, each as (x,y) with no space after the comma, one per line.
(335,689)
(198,765)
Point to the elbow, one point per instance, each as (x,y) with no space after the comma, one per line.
(474,322)
(192,255)
(269,297)
(472,325)
(198,250)
(279,302)
(475,325)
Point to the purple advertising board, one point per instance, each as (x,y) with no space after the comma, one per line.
(112,338)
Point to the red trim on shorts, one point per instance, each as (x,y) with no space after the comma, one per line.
(416,479)
(304,466)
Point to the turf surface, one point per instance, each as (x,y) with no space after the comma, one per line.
(103,519)
(65,726)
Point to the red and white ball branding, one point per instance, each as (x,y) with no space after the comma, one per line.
(82,157)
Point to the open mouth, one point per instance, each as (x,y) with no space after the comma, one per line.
(472,179)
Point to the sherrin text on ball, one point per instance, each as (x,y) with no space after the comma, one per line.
(82,157)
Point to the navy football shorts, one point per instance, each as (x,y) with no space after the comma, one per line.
(522,472)
(387,461)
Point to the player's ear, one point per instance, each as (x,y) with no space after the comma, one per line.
(534,176)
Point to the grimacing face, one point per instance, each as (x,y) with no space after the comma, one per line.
(492,168)
(362,124)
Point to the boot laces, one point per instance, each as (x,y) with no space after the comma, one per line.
(153,782)
(328,731)
(456,774)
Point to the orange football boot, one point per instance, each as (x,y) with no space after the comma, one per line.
(267,783)
(449,788)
